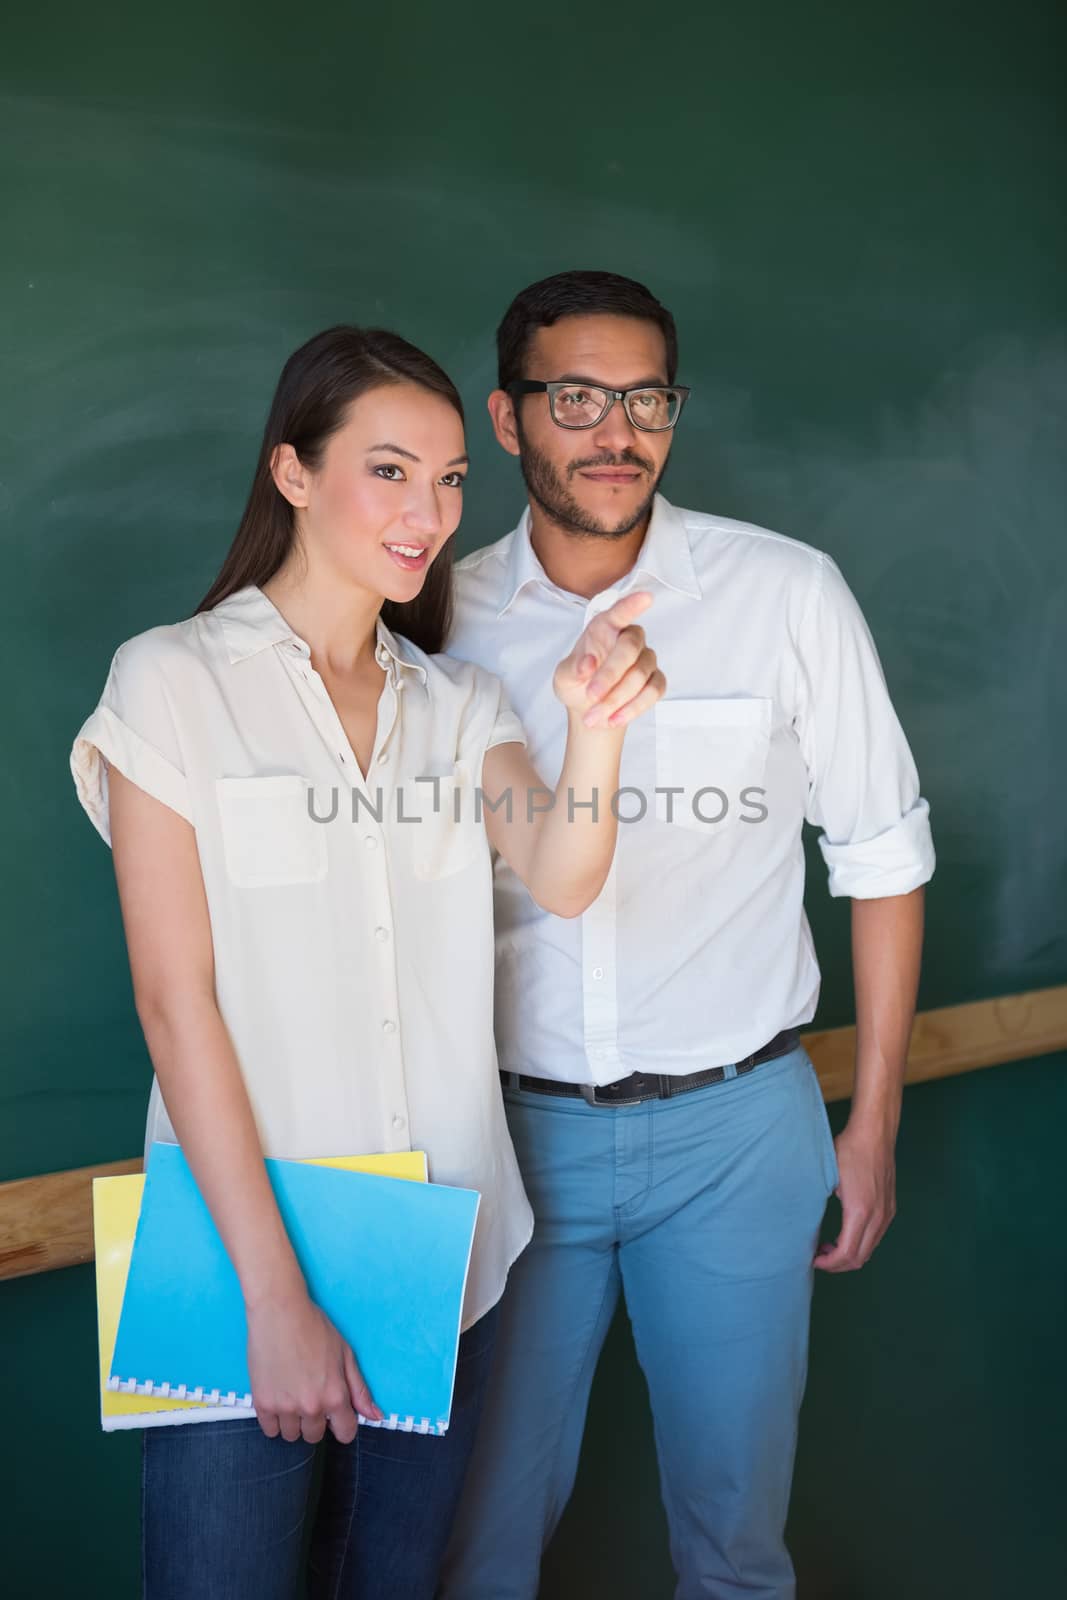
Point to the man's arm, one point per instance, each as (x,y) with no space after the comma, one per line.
(875,839)
(887,939)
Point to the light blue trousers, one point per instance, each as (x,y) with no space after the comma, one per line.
(704,1211)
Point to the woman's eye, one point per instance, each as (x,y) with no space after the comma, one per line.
(387,471)
(453,480)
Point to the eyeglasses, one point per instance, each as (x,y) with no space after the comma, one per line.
(582,405)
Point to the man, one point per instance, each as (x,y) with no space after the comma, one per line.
(670,1129)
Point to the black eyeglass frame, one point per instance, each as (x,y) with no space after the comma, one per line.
(522,386)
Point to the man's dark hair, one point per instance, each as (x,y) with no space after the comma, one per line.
(577,294)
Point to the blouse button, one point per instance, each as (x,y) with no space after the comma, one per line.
(398,1121)
(388,1027)
(371,842)
(381,934)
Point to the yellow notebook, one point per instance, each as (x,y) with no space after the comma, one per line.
(116,1205)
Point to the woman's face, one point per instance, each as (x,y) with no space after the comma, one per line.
(388,492)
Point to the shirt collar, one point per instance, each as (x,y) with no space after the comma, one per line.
(250,622)
(664,556)
(390,654)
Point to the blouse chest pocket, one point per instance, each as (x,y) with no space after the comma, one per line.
(438,817)
(714,751)
(268,836)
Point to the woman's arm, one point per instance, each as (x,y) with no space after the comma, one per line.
(302,1372)
(562,846)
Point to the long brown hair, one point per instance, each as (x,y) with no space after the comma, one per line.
(318,384)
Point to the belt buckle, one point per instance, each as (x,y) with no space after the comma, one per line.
(589,1096)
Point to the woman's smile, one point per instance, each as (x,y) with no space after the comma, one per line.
(412,557)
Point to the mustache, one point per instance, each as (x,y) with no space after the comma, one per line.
(625,458)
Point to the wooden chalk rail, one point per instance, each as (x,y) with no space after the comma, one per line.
(46,1222)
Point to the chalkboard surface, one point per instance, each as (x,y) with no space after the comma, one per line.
(853,212)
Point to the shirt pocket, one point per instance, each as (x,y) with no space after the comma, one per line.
(713,751)
(438,817)
(268,837)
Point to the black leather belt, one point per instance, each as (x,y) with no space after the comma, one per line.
(651,1085)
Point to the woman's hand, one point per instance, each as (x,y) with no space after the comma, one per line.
(303,1373)
(563,852)
(611,674)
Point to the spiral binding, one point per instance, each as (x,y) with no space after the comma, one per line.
(214,1397)
(407,1424)
(178,1391)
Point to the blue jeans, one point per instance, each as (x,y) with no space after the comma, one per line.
(704,1212)
(223,1506)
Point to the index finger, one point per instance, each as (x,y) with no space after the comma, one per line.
(623,612)
(268,1421)
(842,1248)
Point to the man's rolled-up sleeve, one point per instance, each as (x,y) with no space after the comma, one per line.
(863,789)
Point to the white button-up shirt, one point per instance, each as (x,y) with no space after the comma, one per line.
(353,954)
(697,951)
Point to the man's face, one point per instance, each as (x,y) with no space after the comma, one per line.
(598,480)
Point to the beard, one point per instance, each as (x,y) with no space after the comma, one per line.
(548,490)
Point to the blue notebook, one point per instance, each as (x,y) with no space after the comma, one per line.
(386,1259)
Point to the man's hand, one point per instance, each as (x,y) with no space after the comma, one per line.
(867,1192)
(611,674)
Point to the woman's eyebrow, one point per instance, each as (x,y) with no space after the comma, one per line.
(397,450)
(409,455)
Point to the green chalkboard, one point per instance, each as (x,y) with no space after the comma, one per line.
(855,213)
(852,215)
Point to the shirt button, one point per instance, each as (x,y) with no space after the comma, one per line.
(381,934)
(399,1121)
(370,841)
(383,655)
(388,1027)
(598,972)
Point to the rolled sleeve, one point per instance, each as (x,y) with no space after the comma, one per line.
(506,727)
(132,728)
(863,789)
(894,862)
(487,720)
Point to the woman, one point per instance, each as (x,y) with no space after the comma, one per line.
(290,789)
